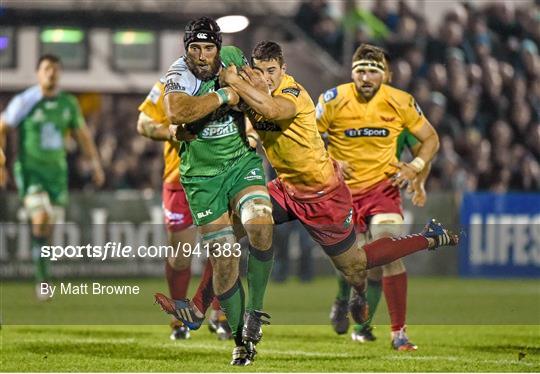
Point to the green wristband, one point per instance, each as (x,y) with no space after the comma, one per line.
(223,97)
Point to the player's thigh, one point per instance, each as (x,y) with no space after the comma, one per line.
(176,212)
(250,200)
(208,198)
(388,225)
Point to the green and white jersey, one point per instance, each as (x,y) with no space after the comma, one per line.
(220,139)
(42,124)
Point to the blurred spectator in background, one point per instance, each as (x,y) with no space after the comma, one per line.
(478,78)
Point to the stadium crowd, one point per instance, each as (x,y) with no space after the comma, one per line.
(477,78)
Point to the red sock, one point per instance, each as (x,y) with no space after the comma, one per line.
(205,292)
(215,304)
(178,281)
(395,293)
(385,250)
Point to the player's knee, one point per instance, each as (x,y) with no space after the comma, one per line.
(256,216)
(260,235)
(255,207)
(349,264)
(375,274)
(386,225)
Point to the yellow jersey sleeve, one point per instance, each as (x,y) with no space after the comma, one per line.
(153,105)
(413,117)
(295,94)
(325,109)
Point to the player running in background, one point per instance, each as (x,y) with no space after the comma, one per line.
(363,120)
(221,174)
(309,186)
(154,124)
(43,116)
(340,309)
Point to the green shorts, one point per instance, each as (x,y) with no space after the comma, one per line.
(209,197)
(31,180)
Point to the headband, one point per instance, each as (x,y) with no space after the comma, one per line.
(371,64)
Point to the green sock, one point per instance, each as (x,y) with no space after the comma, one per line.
(232,303)
(41,264)
(373,295)
(344,289)
(258,272)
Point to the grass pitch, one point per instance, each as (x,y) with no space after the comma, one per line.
(504,334)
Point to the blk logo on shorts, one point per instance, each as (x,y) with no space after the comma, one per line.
(206,213)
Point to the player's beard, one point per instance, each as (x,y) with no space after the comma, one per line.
(368,93)
(201,73)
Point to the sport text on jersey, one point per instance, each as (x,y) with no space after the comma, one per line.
(367,132)
(219,129)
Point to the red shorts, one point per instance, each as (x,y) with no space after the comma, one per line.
(175,207)
(328,218)
(381,198)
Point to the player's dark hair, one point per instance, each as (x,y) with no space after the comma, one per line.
(202,29)
(48,57)
(370,52)
(266,51)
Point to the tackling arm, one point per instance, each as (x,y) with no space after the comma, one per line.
(271,108)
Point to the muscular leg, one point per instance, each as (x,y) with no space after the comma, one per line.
(253,207)
(225,280)
(178,269)
(394,273)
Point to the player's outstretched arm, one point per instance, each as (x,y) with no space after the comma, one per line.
(90,152)
(151,129)
(271,108)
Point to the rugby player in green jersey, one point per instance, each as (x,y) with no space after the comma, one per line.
(222,176)
(43,116)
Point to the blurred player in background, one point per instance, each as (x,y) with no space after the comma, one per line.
(309,186)
(221,174)
(43,117)
(154,124)
(364,121)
